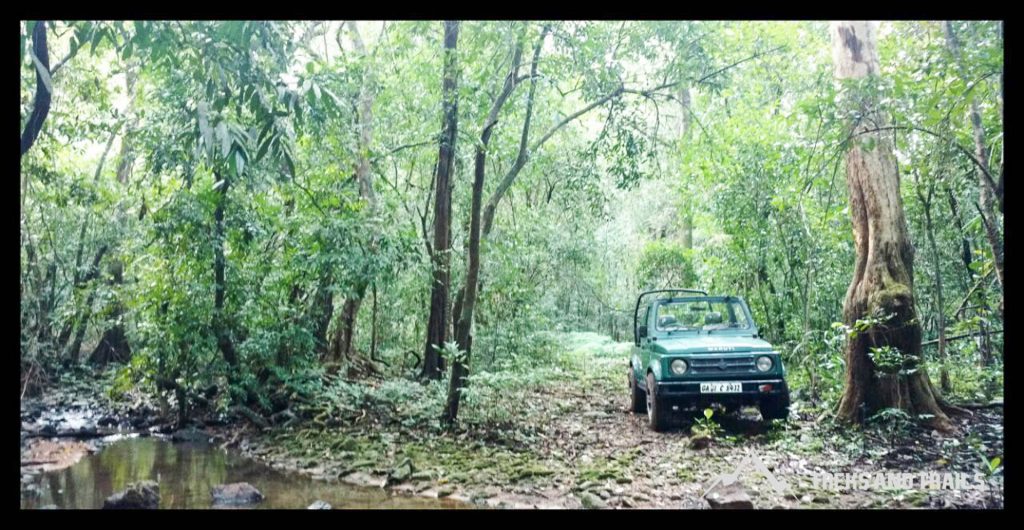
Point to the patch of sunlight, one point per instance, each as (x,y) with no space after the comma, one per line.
(590,344)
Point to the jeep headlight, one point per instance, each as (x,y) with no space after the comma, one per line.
(678,367)
(764,363)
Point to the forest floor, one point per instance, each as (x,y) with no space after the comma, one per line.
(562,437)
(569,441)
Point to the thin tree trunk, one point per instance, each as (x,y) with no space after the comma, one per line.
(126,156)
(321,310)
(113,346)
(82,321)
(926,203)
(219,323)
(344,341)
(687,114)
(460,366)
(965,252)
(79,279)
(373,326)
(883,275)
(438,319)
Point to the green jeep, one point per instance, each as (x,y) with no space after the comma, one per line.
(691,350)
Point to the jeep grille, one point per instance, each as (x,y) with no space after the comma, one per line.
(723,365)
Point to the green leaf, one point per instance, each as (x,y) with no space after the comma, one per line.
(994,463)
(97,36)
(239,163)
(264,145)
(204,124)
(225,139)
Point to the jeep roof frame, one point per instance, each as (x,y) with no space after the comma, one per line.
(636,310)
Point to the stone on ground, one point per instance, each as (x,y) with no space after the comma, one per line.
(731,497)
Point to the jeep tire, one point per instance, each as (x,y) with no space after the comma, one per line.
(657,416)
(638,401)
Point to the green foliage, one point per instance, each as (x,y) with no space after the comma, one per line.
(893,422)
(890,360)
(664,263)
(740,192)
(706,426)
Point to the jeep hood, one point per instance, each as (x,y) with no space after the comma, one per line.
(710,344)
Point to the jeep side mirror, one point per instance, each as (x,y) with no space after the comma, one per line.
(642,331)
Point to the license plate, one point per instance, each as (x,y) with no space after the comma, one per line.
(732,387)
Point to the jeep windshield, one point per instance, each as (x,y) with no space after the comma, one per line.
(705,314)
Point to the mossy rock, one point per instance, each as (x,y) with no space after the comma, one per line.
(591,501)
(422,475)
(531,471)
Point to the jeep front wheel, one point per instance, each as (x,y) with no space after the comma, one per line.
(775,407)
(656,413)
(638,401)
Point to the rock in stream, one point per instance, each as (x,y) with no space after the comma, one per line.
(143,495)
(239,493)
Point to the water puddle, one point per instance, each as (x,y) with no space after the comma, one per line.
(187,472)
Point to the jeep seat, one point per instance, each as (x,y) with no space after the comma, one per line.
(667,320)
(712,318)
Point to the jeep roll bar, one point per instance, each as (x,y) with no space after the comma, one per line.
(636,310)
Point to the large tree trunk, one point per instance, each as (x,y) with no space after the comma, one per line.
(883,276)
(987,189)
(342,348)
(437,321)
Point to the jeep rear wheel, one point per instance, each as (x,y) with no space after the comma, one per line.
(656,413)
(638,401)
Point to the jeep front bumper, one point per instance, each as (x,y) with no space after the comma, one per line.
(688,392)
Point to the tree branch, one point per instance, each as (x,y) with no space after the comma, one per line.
(41,103)
(988,176)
